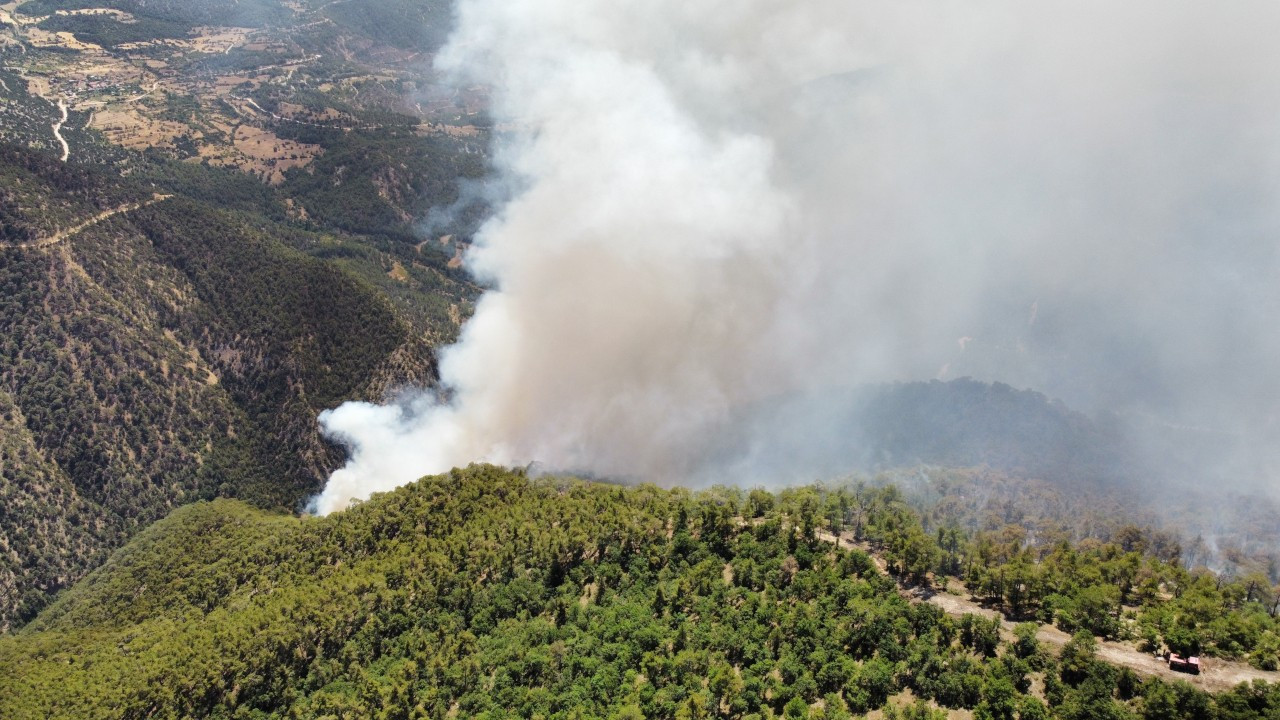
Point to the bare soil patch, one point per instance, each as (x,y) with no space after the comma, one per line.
(398,272)
(270,156)
(61,39)
(131,128)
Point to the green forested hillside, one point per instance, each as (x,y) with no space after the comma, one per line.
(255,220)
(984,456)
(156,350)
(482,593)
(185,290)
(50,532)
(40,196)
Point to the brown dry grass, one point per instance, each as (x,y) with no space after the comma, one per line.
(131,128)
(906,698)
(62,39)
(269,155)
(398,272)
(218,39)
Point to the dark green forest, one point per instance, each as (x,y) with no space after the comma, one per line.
(182,350)
(173,352)
(483,593)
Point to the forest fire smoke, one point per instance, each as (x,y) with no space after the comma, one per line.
(712,207)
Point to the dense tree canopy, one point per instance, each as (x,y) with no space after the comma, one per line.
(483,593)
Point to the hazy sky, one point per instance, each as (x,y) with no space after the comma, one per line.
(714,204)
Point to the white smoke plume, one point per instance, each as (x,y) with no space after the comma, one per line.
(718,204)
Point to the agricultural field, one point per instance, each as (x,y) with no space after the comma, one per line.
(266,93)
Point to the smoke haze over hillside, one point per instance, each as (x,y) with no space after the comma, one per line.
(713,206)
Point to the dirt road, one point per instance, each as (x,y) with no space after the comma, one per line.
(1218,675)
(57,130)
(64,234)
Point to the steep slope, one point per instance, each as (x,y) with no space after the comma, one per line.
(50,531)
(481,593)
(960,423)
(965,422)
(478,591)
(162,354)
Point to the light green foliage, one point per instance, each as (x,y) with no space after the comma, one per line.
(1087,586)
(482,593)
(1078,657)
(1026,645)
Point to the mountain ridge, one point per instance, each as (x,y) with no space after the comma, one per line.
(482,593)
(170,353)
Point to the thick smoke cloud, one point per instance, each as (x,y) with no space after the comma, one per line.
(718,205)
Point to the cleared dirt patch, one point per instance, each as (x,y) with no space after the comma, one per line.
(218,39)
(61,39)
(269,155)
(130,128)
(398,272)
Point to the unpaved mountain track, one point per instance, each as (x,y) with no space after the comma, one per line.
(1218,675)
(57,130)
(64,234)
(258,108)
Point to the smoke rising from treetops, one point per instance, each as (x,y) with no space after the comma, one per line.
(713,206)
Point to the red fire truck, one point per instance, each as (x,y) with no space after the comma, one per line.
(1184,664)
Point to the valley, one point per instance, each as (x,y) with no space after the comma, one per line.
(116,123)
(722,253)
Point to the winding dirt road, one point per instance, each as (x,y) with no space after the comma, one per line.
(64,234)
(1218,675)
(57,130)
